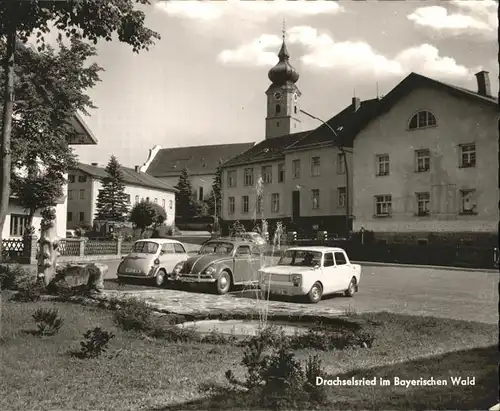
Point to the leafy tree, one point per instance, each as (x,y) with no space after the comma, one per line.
(40,154)
(146,214)
(112,202)
(80,19)
(185,206)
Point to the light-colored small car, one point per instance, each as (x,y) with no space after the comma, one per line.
(153,258)
(311,272)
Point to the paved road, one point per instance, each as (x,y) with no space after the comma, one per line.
(468,295)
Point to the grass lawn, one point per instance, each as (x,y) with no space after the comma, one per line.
(142,373)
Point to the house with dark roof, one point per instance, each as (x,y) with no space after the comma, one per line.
(294,176)
(201,162)
(427,163)
(85,181)
(17,220)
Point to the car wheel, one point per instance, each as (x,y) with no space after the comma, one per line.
(223,283)
(160,278)
(351,289)
(316,293)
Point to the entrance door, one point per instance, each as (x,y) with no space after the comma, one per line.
(295,205)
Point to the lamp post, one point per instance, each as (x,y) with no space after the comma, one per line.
(343,153)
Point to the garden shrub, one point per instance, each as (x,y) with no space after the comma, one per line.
(134,315)
(95,343)
(13,275)
(29,290)
(48,321)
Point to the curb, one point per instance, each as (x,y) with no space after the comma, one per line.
(432,267)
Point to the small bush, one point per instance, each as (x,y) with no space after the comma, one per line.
(29,291)
(48,322)
(325,339)
(11,276)
(95,343)
(134,315)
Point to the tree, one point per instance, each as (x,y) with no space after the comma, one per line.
(112,202)
(80,19)
(146,214)
(41,156)
(185,206)
(214,201)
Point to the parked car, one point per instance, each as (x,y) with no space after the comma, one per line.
(223,263)
(71,234)
(311,272)
(152,259)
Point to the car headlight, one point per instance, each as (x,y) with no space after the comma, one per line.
(210,270)
(178,267)
(296,279)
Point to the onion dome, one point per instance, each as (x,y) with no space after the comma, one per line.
(283,71)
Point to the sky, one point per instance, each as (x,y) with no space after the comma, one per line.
(204,81)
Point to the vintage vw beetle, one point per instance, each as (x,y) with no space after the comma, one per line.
(223,263)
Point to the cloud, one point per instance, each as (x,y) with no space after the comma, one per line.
(471,17)
(351,57)
(213,10)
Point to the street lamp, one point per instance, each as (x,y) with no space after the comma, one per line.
(343,153)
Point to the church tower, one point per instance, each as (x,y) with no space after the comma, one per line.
(282,97)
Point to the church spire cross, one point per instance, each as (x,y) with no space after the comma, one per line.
(284,29)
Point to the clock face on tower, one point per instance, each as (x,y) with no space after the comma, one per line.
(277,95)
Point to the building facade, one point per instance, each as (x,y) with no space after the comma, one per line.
(84,184)
(201,162)
(428,163)
(17,220)
(297,177)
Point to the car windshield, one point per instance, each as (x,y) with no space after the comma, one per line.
(304,258)
(217,247)
(146,247)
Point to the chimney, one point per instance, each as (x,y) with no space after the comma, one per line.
(94,164)
(483,83)
(356,102)
(137,168)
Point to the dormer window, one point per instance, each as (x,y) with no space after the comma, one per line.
(278,108)
(422,119)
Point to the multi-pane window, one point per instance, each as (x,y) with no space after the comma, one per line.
(82,194)
(82,216)
(128,198)
(231,178)
(468,202)
(18,224)
(340,164)
(170,204)
(230,208)
(422,119)
(315,198)
(82,179)
(341,196)
(163,203)
(258,205)
(69,216)
(200,194)
(136,199)
(422,160)
(423,203)
(281,173)
(71,178)
(267,174)
(275,203)
(315,166)
(383,165)
(244,204)
(70,194)
(468,155)
(383,205)
(248,177)
(296,168)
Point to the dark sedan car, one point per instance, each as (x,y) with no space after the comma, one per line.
(223,263)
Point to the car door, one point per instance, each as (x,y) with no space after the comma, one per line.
(332,282)
(256,262)
(242,264)
(180,254)
(344,272)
